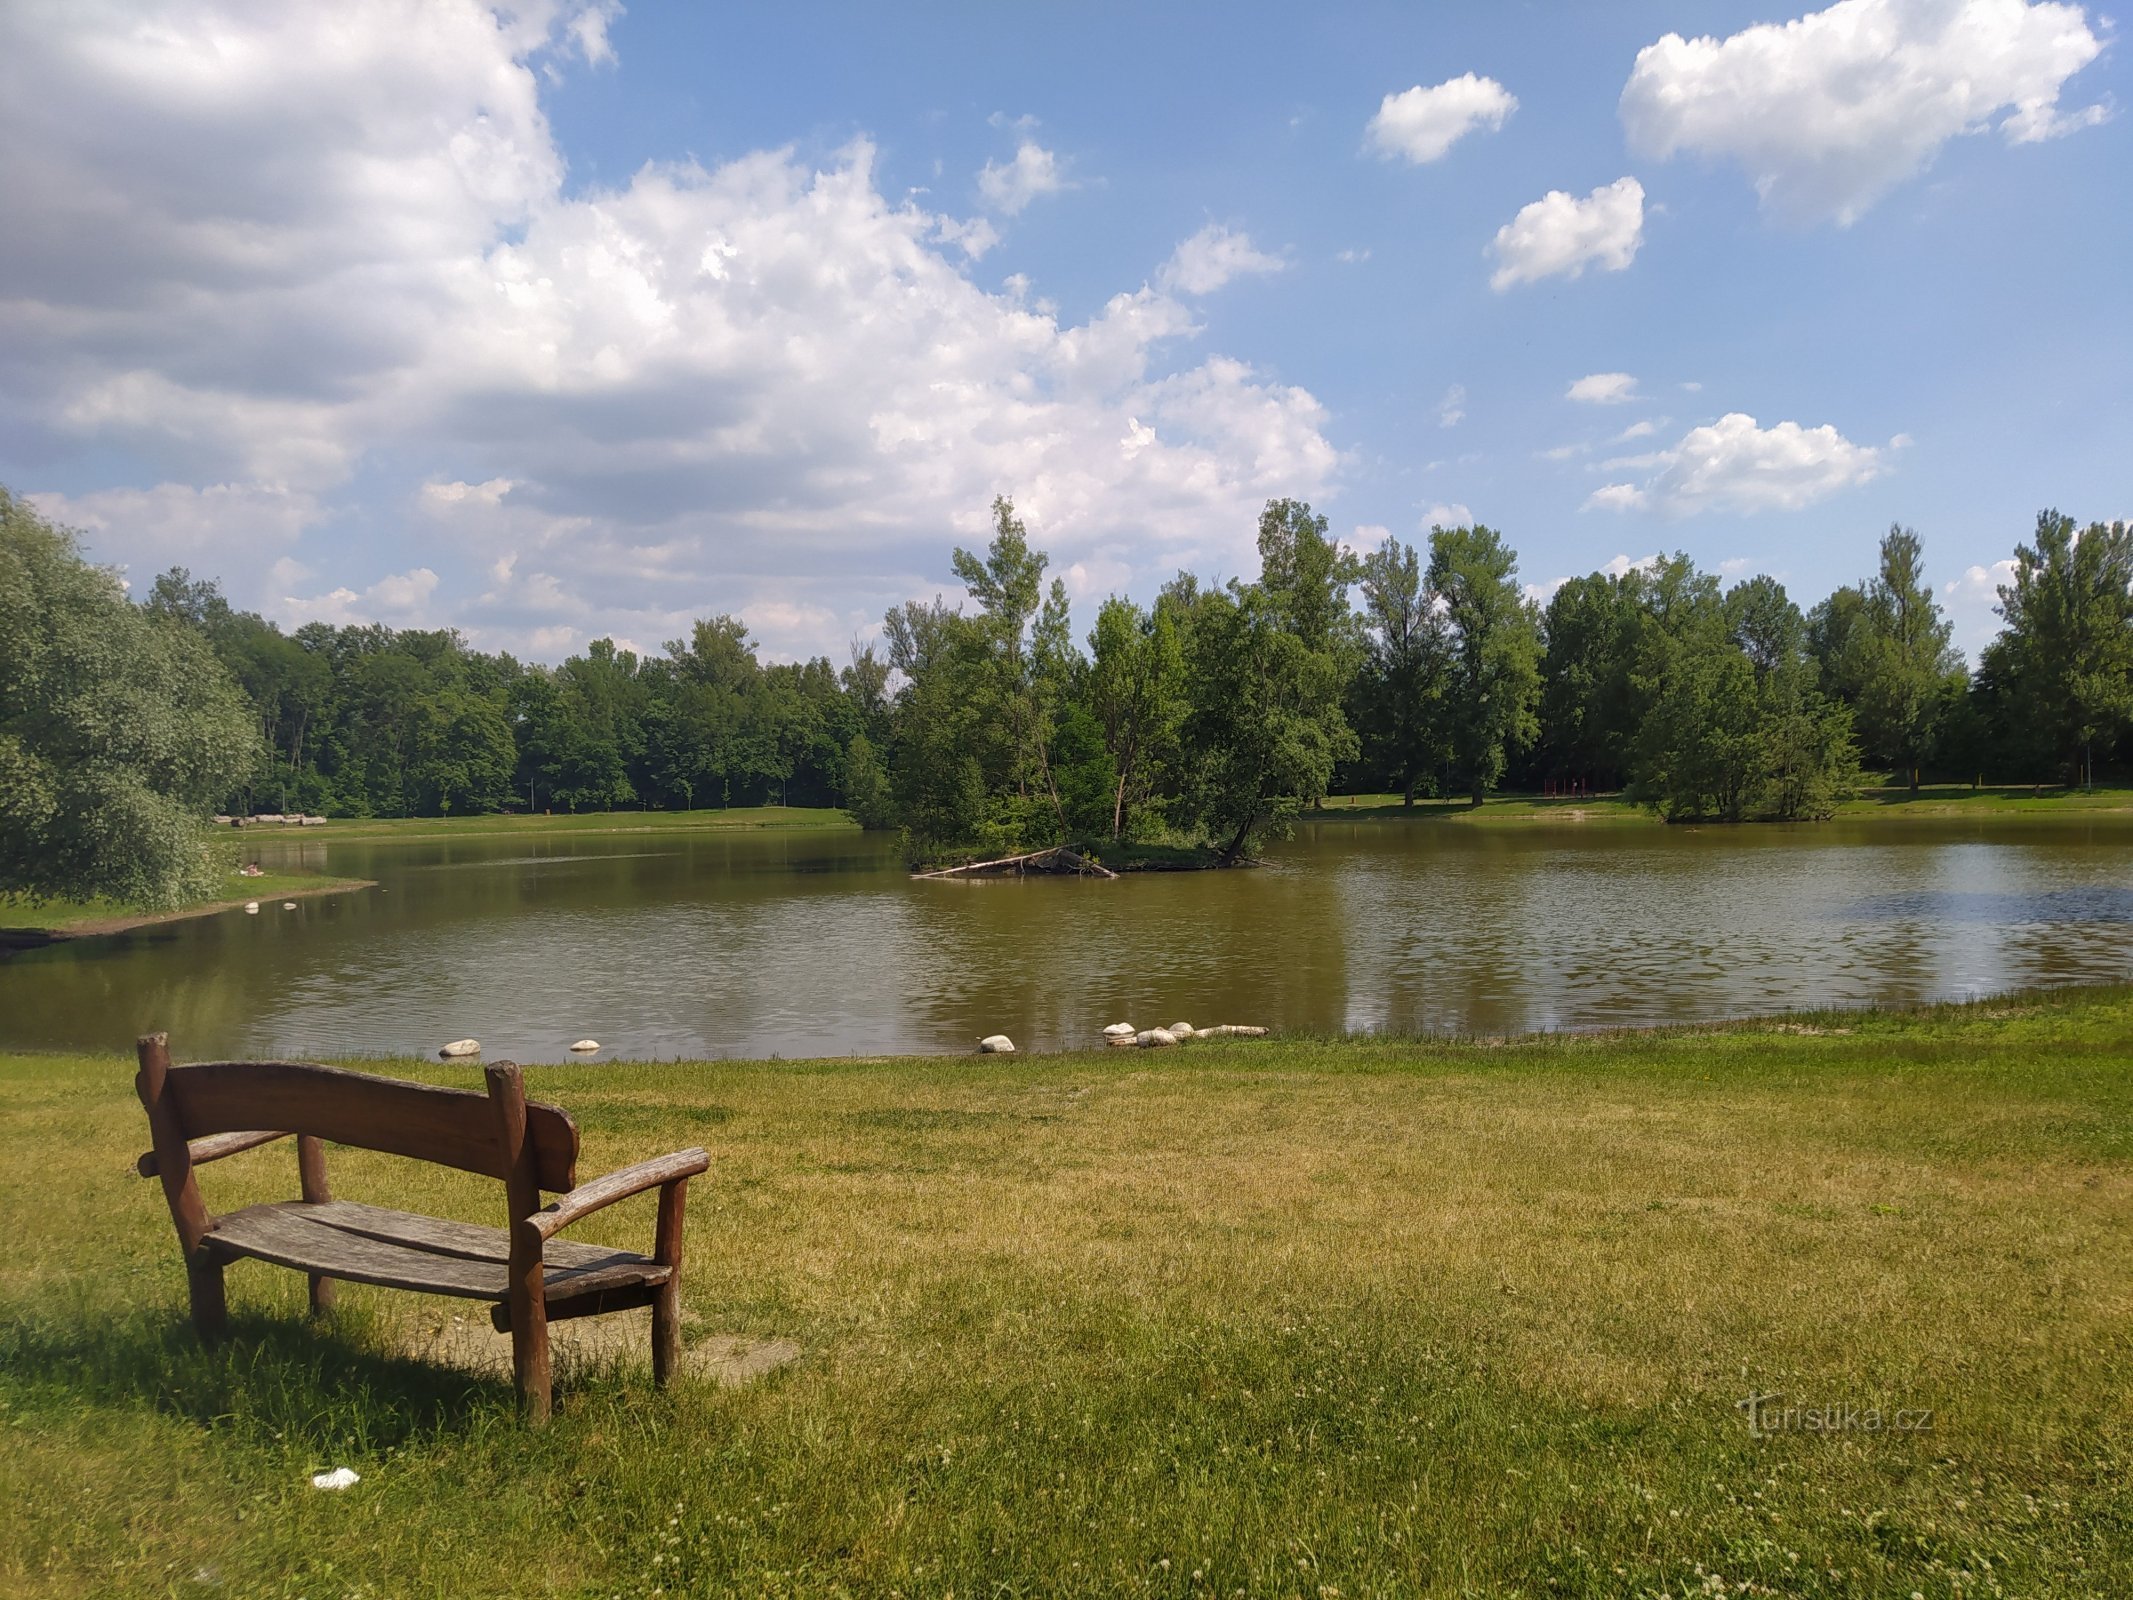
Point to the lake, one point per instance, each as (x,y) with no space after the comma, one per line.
(815,943)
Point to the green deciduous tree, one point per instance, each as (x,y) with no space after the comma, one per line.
(1805,761)
(1494,672)
(119,731)
(1400,690)
(2067,652)
(1587,710)
(1897,659)
(1136,691)
(1266,725)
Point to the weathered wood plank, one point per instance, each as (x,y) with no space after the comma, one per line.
(452,1127)
(442,1236)
(619,1185)
(525,1276)
(212,1148)
(311,1181)
(292,1234)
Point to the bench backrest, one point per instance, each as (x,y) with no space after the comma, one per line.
(453,1127)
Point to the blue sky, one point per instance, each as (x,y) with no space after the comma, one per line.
(576,320)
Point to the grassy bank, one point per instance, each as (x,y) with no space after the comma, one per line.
(20,921)
(1289,1318)
(1932,800)
(400,829)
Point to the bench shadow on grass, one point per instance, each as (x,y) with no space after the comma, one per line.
(273,1375)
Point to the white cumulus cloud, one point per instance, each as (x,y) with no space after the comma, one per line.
(1830,111)
(1211,258)
(1422,124)
(1603,388)
(1009,186)
(1560,235)
(1972,603)
(314,275)
(207,528)
(401,598)
(1732,465)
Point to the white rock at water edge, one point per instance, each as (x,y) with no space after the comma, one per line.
(460,1047)
(1229,1030)
(1181,1031)
(996,1044)
(1120,1030)
(1155,1038)
(288,905)
(584,1046)
(251,908)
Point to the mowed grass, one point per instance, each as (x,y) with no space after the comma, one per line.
(405,829)
(1893,802)
(1281,1318)
(71,917)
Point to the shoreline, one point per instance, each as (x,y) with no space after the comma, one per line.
(32,938)
(1826,1022)
(1611,809)
(398,830)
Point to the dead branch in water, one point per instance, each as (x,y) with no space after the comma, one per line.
(1057,859)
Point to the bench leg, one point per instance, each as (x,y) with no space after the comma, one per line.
(203,1283)
(666,1303)
(666,1332)
(529,1324)
(311,1174)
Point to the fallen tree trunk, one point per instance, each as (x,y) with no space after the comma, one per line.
(1057,859)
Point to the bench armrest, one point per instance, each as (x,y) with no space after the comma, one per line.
(213,1148)
(586,1198)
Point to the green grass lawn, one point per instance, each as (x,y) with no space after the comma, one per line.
(1284,1318)
(73,917)
(1932,800)
(404,828)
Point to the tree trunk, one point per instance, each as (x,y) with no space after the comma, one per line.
(1235,847)
(1480,789)
(1914,782)
(1407,796)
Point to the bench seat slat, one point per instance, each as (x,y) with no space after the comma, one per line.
(400,1250)
(443,1236)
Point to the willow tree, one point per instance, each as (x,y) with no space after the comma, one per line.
(119,731)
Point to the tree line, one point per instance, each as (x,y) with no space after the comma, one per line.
(1211,715)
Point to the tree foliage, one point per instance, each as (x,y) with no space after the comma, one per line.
(2066,657)
(119,731)
(1494,664)
(1214,714)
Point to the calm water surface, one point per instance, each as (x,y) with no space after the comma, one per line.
(804,944)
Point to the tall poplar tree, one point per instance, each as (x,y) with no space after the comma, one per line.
(1494,674)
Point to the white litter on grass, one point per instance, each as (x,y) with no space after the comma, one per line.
(338,1478)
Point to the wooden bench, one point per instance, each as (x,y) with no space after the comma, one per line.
(203,1112)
